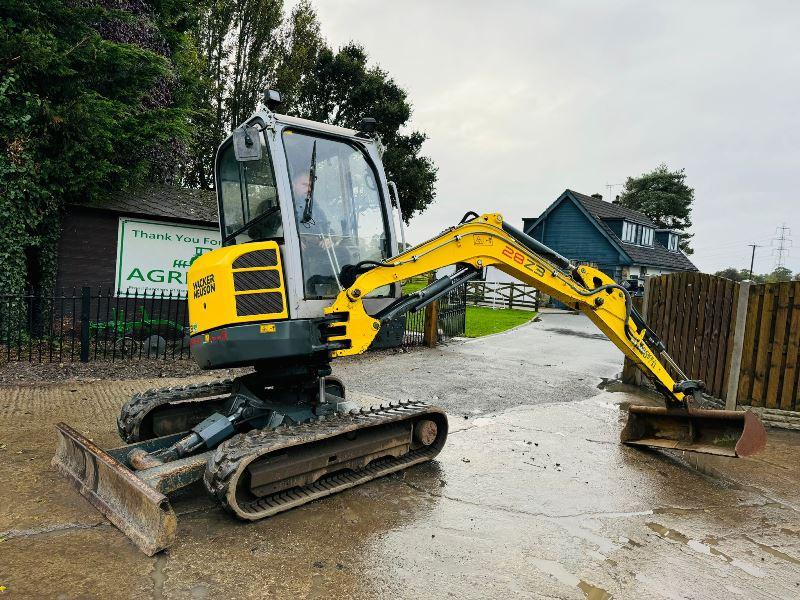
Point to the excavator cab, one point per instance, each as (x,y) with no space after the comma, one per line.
(298,201)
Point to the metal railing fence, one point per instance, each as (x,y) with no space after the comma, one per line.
(101,324)
(93,324)
(450,312)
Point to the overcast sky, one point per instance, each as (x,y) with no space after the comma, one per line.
(524,99)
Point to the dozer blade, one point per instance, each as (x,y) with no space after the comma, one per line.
(720,432)
(141,512)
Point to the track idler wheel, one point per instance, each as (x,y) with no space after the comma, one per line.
(425,432)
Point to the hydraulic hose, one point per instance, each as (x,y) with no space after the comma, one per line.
(536,246)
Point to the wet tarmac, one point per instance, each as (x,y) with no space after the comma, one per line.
(532,497)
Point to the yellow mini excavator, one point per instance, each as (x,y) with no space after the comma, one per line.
(310,271)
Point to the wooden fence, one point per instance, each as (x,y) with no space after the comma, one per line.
(770,359)
(741,339)
(502,295)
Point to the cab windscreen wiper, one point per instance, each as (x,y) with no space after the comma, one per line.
(308,210)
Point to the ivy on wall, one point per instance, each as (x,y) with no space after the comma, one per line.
(94,97)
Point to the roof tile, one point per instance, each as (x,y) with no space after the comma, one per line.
(608,210)
(162,201)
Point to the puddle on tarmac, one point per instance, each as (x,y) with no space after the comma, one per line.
(558,572)
(581,529)
(705,548)
(774,552)
(593,592)
(665,532)
(613,385)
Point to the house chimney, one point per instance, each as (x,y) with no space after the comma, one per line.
(598,196)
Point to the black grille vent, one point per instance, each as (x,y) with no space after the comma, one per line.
(258,258)
(259,304)
(256,280)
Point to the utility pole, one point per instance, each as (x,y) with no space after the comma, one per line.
(752,259)
(784,242)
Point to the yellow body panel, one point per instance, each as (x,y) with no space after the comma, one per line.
(483,243)
(221,288)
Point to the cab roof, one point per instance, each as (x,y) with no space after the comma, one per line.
(317,126)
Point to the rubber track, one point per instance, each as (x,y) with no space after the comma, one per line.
(139,406)
(232,456)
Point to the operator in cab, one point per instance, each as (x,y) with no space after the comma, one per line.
(321,255)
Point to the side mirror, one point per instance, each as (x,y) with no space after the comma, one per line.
(246,143)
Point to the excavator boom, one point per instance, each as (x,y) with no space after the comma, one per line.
(485,241)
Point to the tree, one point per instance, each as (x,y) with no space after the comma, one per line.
(341,89)
(209,120)
(240,48)
(732,273)
(779,274)
(740,275)
(665,198)
(249,46)
(94,96)
(301,45)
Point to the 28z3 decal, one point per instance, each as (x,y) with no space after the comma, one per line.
(519,258)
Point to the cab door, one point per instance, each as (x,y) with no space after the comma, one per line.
(336,212)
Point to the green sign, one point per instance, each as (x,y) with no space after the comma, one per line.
(154,256)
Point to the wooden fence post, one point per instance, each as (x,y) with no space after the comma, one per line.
(430,329)
(511,296)
(430,334)
(738,346)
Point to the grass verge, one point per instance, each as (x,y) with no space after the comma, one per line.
(414,285)
(482,320)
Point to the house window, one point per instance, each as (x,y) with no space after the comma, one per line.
(628,232)
(637,234)
(673,242)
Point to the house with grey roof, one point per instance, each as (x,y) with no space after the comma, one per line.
(621,242)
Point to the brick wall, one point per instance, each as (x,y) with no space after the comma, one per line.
(87,250)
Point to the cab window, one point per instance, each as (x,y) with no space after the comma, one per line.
(248,198)
(338,209)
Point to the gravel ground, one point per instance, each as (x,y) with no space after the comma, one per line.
(25,373)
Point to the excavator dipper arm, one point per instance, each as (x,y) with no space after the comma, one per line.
(485,241)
